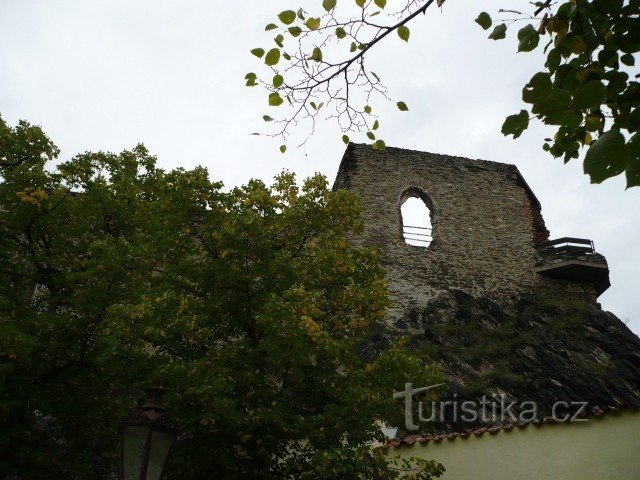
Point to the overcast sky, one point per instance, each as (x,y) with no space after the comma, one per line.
(109,74)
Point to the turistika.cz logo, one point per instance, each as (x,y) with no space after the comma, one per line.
(488,409)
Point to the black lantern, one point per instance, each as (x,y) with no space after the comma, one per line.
(146,437)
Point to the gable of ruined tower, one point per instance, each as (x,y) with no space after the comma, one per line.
(486,223)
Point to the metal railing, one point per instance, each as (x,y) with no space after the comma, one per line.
(418,236)
(568,244)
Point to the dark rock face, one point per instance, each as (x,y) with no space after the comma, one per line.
(473,301)
(539,349)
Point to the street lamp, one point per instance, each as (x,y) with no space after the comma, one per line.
(146,436)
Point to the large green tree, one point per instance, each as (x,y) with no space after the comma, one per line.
(248,304)
(587,89)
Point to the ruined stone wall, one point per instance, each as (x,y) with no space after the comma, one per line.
(472,301)
(486,222)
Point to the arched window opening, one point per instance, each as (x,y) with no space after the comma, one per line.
(416,222)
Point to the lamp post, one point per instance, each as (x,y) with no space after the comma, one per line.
(146,436)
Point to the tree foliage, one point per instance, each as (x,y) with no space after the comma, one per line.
(586,90)
(248,304)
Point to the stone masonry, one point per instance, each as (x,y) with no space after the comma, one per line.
(486,223)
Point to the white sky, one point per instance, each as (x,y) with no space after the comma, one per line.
(416,222)
(105,75)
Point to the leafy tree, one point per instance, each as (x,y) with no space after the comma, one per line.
(65,260)
(586,89)
(248,304)
(24,144)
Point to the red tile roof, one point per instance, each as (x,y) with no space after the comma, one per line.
(478,432)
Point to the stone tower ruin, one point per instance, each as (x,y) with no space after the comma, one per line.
(486,293)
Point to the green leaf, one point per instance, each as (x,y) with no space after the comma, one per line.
(258,52)
(633,162)
(271,26)
(538,88)
(379,145)
(516,124)
(300,14)
(371,136)
(608,58)
(283,148)
(577,44)
(273,57)
(275,99)
(558,100)
(251,79)
(278,80)
(633,174)
(593,122)
(316,55)
(329,4)
(376,124)
(499,32)
(591,95)
(380,3)
(403,32)
(367,109)
(360,3)
(341,33)
(279,41)
(295,31)
(633,124)
(354,47)
(556,110)
(628,59)
(267,118)
(345,139)
(528,38)
(313,23)
(402,106)
(484,20)
(287,17)
(553,60)
(606,157)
